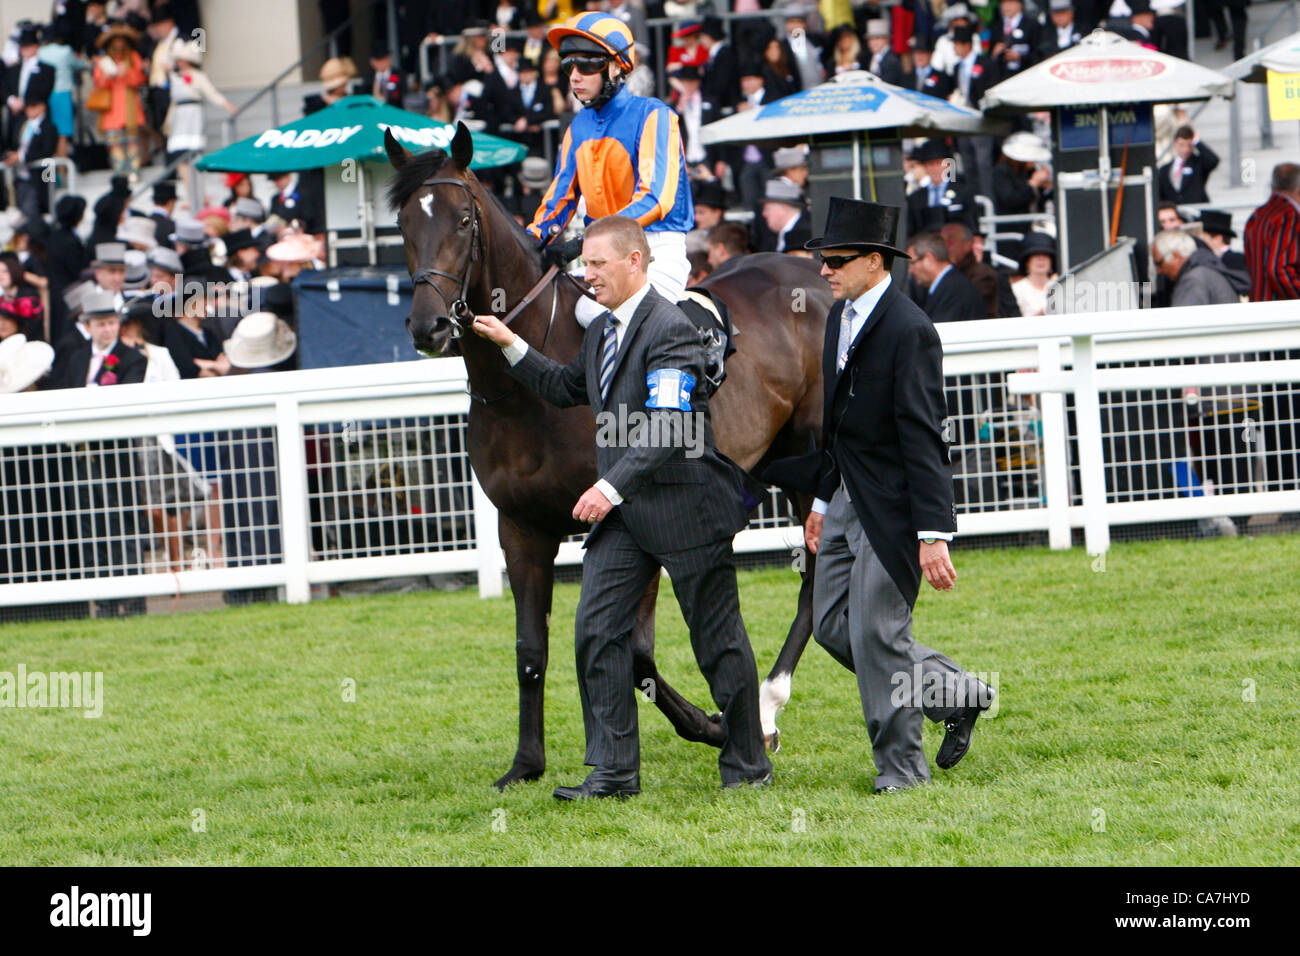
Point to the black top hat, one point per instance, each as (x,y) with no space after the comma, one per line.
(1138,6)
(36,228)
(932,149)
(162,13)
(962,34)
(29,36)
(934,218)
(688,73)
(712,26)
(854,223)
(923,41)
(515,43)
(239,239)
(1217,223)
(750,66)
(378,49)
(1036,243)
(164,192)
(710,194)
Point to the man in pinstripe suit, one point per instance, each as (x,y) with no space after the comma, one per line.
(663,500)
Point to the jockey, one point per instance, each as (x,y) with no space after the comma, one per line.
(623,153)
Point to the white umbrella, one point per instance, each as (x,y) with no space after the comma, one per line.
(853,101)
(1105,68)
(1280,57)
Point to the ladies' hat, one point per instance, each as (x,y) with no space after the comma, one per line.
(336,72)
(1036,244)
(114,31)
(260,340)
(22,363)
(221,212)
(856,224)
(188,50)
(1026,148)
(293,248)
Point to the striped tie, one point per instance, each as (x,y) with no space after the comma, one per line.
(607,357)
(846,336)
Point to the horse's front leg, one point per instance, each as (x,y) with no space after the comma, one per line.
(774,692)
(689,721)
(530,564)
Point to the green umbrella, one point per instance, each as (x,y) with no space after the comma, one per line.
(352,128)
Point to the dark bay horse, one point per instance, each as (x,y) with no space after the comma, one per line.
(467,256)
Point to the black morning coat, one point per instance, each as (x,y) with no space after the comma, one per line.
(881,434)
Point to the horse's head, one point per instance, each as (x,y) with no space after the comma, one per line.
(442,228)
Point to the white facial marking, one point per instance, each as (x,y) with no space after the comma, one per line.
(426,203)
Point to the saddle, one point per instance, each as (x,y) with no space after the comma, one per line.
(712,319)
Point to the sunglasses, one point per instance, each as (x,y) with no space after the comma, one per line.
(839,262)
(587,64)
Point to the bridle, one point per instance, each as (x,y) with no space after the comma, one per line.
(457,309)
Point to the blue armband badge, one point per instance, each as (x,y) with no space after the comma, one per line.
(670,388)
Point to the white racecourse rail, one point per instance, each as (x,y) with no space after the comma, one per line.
(300,478)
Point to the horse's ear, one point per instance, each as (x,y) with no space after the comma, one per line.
(462,147)
(398,154)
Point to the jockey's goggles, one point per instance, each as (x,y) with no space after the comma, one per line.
(588,64)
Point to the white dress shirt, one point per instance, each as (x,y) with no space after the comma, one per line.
(862,309)
(516,350)
(96,363)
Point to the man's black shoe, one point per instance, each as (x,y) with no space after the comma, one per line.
(764,781)
(602,783)
(957,731)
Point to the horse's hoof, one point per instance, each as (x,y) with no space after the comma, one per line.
(519,775)
(773,740)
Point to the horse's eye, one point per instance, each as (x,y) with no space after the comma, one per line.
(464,222)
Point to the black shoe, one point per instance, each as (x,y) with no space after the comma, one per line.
(889,789)
(603,783)
(957,731)
(764,781)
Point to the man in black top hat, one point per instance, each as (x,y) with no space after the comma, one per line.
(884,510)
(530,105)
(945,191)
(164,205)
(35,139)
(26,80)
(924,78)
(1216,228)
(383,82)
(1062,31)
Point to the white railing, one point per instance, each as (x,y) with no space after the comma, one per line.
(356,473)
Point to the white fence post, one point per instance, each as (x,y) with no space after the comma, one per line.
(486,543)
(293,499)
(1092,463)
(1056,476)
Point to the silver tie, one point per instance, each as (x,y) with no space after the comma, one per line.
(846,336)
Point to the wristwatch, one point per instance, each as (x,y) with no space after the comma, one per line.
(929,540)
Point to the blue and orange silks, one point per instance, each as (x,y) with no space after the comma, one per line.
(626,158)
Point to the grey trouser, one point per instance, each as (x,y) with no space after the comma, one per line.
(863,621)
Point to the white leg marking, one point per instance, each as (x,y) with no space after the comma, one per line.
(773,695)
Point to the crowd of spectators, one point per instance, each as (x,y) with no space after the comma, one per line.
(123,294)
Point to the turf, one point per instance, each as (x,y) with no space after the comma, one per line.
(1126,732)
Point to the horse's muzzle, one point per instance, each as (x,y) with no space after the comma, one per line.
(430,334)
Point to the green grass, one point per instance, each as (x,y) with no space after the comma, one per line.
(1121,692)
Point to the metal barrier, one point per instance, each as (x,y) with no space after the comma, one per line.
(988,223)
(294,479)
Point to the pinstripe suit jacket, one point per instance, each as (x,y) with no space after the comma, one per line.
(677,494)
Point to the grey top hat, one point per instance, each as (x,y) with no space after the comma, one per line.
(191,232)
(535,173)
(778,190)
(137,270)
(138,230)
(789,158)
(1056,6)
(98,303)
(877,27)
(169,260)
(249,208)
(110,254)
